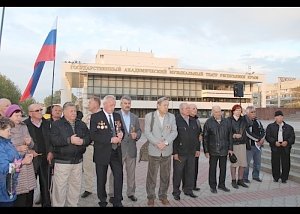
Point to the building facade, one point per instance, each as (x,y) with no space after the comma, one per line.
(282,93)
(146,78)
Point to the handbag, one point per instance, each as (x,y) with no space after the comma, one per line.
(144,153)
(232,158)
(10,181)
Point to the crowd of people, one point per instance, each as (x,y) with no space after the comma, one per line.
(68,153)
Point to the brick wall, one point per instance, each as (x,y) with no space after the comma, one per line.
(268,113)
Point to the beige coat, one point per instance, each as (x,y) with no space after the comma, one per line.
(166,132)
(26,179)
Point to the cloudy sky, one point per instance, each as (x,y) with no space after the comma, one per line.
(265,39)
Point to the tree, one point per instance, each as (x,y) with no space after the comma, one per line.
(10,91)
(25,105)
(56,98)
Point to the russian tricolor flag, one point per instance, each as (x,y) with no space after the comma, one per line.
(47,53)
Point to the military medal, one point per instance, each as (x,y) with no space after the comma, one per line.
(101,125)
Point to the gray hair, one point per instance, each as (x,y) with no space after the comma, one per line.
(160,100)
(96,99)
(68,104)
(192,105)
(4,100)
(249,109)
(109,97)
(126,97)
(182,105)
(216,107)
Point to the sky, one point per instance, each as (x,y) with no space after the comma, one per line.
(235,39)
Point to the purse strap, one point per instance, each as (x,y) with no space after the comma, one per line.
(152,122)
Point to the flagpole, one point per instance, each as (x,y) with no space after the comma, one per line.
(52,84)
(53,78)
(2,20)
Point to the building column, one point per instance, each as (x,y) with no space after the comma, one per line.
(84,95)
(263,93)
(66,90)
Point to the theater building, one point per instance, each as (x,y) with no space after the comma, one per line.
(146,78)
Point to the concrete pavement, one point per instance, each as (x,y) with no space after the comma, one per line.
(264,194)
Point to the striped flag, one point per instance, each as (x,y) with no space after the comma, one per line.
(47,53)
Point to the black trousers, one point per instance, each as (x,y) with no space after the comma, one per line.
(185,168)
(281,159)
(43,172)
(24,200)
(196,171)
(117,170)
(212,176)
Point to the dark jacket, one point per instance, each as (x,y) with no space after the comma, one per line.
(216,137)
(101,134)
(187,140)
(255,132)
(287,133)
(238,127)
(64,151)
(38,148)
(198,123)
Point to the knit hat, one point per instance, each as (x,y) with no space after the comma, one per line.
(11,109)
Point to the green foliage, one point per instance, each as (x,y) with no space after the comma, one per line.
(25,105)
(9,90)
(56,98)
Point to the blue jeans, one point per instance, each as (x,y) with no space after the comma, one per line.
(254,154)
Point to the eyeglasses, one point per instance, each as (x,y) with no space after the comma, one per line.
(38,110)
(252,111)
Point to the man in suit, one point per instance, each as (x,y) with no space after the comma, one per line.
(160,147)
(193,114)
(281,137)
(184,150)
(107,132)
(132,133)
(89,171)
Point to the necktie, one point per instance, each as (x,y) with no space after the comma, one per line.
(111,124)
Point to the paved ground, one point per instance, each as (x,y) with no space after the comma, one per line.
(264,194)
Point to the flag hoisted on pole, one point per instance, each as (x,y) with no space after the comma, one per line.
(47,53)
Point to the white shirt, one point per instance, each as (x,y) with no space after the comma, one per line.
(280,135)
(161,119)
(126,118)
(107,117)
